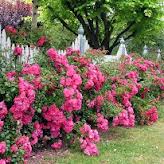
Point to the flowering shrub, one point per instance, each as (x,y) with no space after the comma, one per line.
(67,99)
(13,13)
(138,85)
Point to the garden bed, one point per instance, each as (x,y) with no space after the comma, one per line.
(139,145)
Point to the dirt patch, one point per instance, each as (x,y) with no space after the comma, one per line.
(47,156)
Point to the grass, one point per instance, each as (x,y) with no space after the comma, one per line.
(140,145)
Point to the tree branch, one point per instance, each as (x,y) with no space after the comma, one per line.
(66,25)
(121,33)
(92,41)
(106,23)
(62,21)
(117,43)
(131,35)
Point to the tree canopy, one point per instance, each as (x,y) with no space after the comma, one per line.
(105,21)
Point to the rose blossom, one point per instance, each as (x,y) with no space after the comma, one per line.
(18,51)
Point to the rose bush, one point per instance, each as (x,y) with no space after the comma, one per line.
(138,86)
(65,100)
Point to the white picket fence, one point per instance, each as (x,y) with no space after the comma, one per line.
(7,48)
(80,43)
(29,53)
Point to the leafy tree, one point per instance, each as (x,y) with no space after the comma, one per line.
(153,38)
(104,21)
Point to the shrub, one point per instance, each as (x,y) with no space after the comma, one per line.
(67,99)
(138,86)
(13,13)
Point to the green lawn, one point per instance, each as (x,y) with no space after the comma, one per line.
(140,145)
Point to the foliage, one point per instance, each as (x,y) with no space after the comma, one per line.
(153,38)
(13,13)
(105,21)
(146,75)
(55,35)
(67,100)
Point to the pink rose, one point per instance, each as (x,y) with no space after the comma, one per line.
(2,161)
(18,51)
(2,147)
(14,148)
(10,75)
(41,41)
(57,145)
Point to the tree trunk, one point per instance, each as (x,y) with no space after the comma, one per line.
(110,50)
(34,13)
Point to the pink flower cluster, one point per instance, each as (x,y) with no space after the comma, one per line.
(18,51)
(72,79)
(2,161)
(95,78)
(10,29)
(152,115)
(125,118)
(31,70)
(23,143)
(60,61)
(132,75)
(102,123)
(82,61)
(111,95)
(1,125)
(90,137)
(97,103)
(41,41)
(57,120)
(3,113)
(57,145)
(68,125)
(2,147)
(71,82)
(22,109)
(160,82)
(37,133)
(142,64)
(73,100)
(35,71)
(11,75)
(70,52)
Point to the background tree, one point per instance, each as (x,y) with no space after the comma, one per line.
(104,21)
(35,7)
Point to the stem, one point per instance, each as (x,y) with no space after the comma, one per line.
(15,63)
